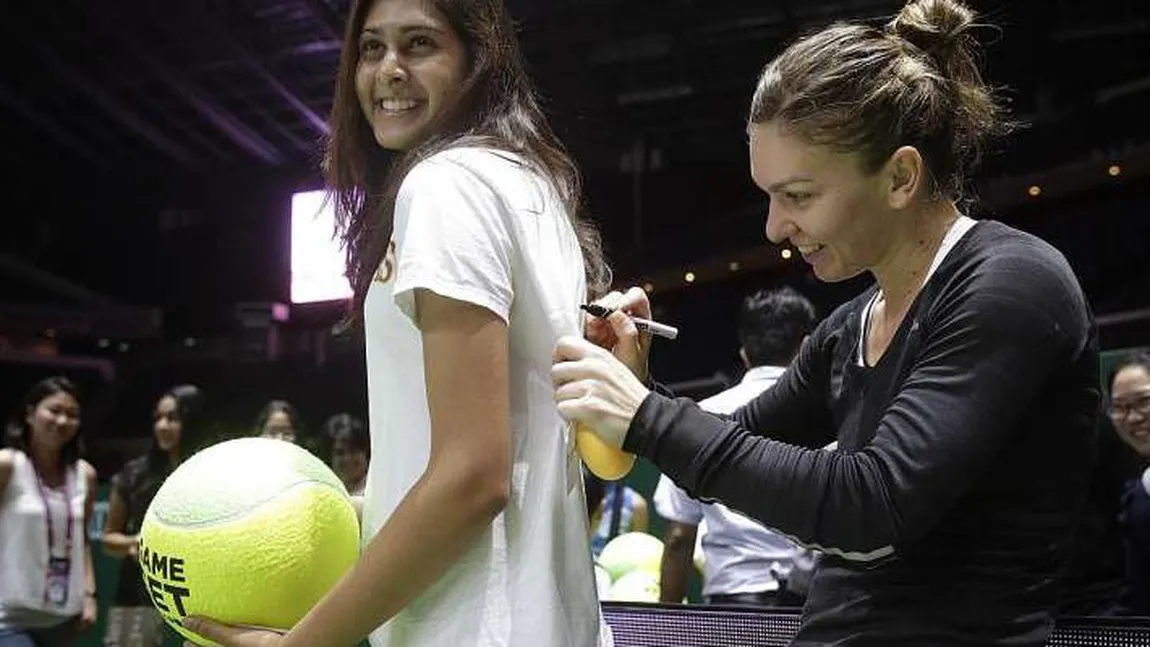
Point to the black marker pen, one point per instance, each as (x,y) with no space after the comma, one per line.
(653,327)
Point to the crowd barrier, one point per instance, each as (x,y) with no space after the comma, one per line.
(658,625)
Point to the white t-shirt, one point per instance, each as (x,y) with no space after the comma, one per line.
(479,226)
(741,555)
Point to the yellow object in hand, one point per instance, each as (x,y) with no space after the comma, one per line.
(604,461)
(251,532)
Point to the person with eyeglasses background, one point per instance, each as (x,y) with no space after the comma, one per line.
(1130,412)
(1130,403)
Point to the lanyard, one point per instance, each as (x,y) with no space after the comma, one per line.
(48,518)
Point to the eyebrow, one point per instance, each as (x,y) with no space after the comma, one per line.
(377,30)
(778,186)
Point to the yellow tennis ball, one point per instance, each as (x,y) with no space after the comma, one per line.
(604,461)
(602,581)
(632,551)
(247,532)
(636,586)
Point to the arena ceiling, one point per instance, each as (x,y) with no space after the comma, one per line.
(148,145)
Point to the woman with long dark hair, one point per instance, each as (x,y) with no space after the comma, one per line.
(460,212)
(178,430)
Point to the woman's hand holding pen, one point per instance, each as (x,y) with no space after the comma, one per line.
(599,381)
(618,333)
(595,389)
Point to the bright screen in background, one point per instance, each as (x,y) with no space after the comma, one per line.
(317,262)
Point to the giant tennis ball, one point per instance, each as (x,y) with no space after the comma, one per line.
(632,551)
(247,532)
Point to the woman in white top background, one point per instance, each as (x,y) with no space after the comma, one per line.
(47,585)
(459,210)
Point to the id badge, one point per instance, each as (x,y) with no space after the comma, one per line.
(58,570)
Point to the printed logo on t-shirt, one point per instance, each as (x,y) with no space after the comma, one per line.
(387,268)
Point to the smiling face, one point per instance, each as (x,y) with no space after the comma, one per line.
(1130,407)
(167,425)
(411,69)
(838,217)
(279,426)
(348,461)
(54,421)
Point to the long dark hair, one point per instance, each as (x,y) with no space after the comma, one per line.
(18,434)
(280,406)
(497,108)
(194,433)
(343,426)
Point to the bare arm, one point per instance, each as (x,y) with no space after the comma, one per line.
(678,560)
(465,485)
(116,542)
(640,515)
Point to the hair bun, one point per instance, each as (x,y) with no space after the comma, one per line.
(938,27)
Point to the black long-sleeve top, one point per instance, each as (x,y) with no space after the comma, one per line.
(1135,517)
(963,458)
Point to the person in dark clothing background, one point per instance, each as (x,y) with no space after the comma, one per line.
(178,430)
(1130,412)
(956,386)
(1094,579)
